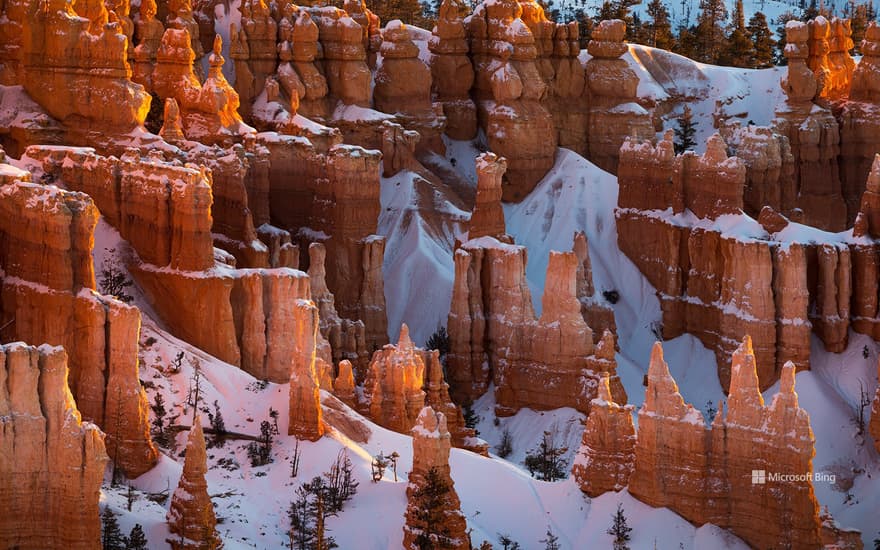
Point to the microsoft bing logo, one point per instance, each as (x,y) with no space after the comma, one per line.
(759,477)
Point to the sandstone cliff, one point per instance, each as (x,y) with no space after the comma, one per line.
(495,336)
(606,457)
(705,473)
(452,71)
(51,462)
(47,285)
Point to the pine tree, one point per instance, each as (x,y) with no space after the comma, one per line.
(619,530)
(340,485)
(686,43)
(762,39)
(158,408)
(551,542)
(136,540)
(684,134)
(811,12)
(429,502)
(546,461)
(308,515)
(710,30)
(507,543)
(111,536)
(739,50)
(660,35)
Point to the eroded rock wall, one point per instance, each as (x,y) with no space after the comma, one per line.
(52,463)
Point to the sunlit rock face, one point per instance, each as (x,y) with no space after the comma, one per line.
(51,462)
(47,294)
(812,131)
(705,472)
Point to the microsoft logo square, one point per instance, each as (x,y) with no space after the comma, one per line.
(759,477)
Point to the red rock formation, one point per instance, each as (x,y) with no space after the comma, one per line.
(51,463)
(209,111)
(403,86)
(452,72)
(305,399)
(495,336)
(509,90)
(597,315)
(148,35)
(866,76)
(832,301)
(259,33)
(606,457)
(769,170)
(332,196)
(251,309)
(612,86)
(487,218)
(707,280)
(706,474)
(89,91)
(345,68)
(431,445)
(343,386)
(47,294)
(859,120)
(191,517)
(181,17)
(840,63)
(812,131)
(393,394)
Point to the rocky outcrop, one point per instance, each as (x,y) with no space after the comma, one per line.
(346,337)
(47,294)
(51,462)
(401,380)
(393,394)
(76,68)
(452,71)
(403,86)
(509,89)
(332,197)
(541,363)
(209,111)
(859,120)
(700,270)
(148,35)
(596,313)
(191,518)
(606,457)
(487,218)
(431,446)
(345,56)
(257,38)
(343,385)
(840,64)
(612,86)
(706,473)
(812,131)
(251,309)
(305,399)
(866,76)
